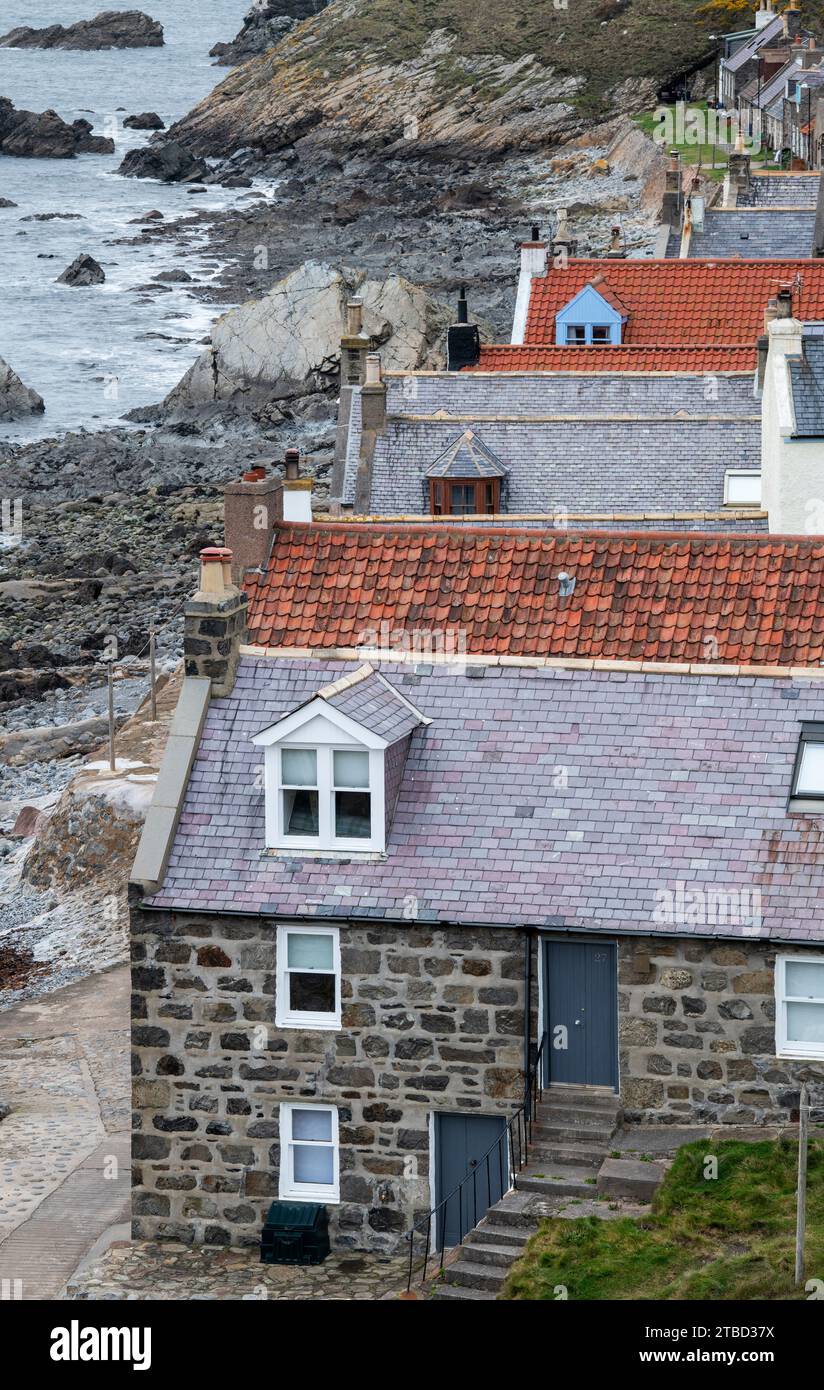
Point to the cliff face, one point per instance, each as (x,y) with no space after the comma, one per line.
(402,77)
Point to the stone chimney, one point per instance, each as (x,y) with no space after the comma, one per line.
(764,14)
(671,202)
(463,342)
(780,306)
(214,623)
(354,345)
(739,162)
(792,20)
(617,250)
(533,263)
(251,506)
(792,470)
(373,395)
(297,491)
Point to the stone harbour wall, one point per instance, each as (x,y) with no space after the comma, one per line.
(432,1019)
(696,1027)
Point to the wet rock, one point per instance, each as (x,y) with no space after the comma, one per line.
(82,272)
(16,400)
(263,27)
(7,203)
(109,29)
(170,163)
(45,135)
(147,120)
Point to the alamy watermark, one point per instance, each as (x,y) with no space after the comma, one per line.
(682,124)
(688,906)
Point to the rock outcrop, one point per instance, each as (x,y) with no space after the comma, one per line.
(265,25)
(170,163)
(16,400)
(83,271)
(146,120)
(45,135)
(287,344)
(109,29)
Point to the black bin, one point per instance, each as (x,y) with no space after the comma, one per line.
(295,1233)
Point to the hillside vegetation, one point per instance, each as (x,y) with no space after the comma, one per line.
(729,1237)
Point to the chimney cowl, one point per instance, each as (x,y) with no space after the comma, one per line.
(291,463)
(463,307)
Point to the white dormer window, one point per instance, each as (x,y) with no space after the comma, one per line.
(325,796)
(329,785)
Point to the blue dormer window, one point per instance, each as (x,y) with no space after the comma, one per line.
(593,317)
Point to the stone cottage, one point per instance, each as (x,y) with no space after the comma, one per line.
(371,883)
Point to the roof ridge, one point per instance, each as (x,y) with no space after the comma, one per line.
(345,682)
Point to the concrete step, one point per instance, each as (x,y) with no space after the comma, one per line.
(463,1292)
(495,1256)
(557,1182)
(475,1276)
(488,1233)
(568,1155)
(578,1133)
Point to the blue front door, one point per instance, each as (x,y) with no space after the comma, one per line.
(471,1147)
(580,1012)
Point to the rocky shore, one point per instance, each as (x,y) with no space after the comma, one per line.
(266,23)
(45,135)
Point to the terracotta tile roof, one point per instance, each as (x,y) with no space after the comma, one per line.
(663,597)
(549,358)
(681,302)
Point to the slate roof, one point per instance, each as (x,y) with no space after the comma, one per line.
(807,386)
(682,302)
(581,443)
(371,700)
(637,596)
(545,357)
(773,30)
(667,779)
(749,233)
(466,457)
(781,190)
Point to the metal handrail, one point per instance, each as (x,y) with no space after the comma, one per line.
(517,1130)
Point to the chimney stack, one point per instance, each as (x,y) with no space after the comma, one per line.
(463,341)
(764,14)
(214,623)
(373,395)
(792,469)
(617,251)
(251,506)
(792,20)
(297,491)
(354,345)
(671,202)
(533,263)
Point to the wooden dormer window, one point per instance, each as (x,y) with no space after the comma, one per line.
(464,496)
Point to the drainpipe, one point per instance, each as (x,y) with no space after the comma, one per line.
(527,1017)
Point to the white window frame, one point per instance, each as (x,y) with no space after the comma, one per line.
(288,1189)
(324,730)
(784,1046)
(570,330)
(742,473)
(286,1017)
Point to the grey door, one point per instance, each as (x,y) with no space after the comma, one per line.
(580,1008)
(472,1147)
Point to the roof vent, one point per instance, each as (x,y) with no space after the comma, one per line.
(566,584)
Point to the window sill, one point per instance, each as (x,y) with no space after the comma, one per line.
(801,806)
(310,1025)
(796,1054)
(304,1193)
(335,856)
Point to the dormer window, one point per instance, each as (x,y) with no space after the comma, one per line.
(576,333)
(330,785)
(465,480)
(594,317)
(807,793)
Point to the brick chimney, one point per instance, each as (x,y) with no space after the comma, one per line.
(214,623)
(373,395)
(297,491)
(251,506)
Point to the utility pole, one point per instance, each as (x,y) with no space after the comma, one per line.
(152,674)
(112,762)
(801,1206)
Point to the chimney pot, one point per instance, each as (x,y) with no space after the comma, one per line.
(373,369)
(536,233)
(354,317)
(211,571)
(292,463)
(463,307)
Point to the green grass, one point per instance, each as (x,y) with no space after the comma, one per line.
(732,1237)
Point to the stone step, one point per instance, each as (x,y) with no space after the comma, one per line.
(557,1182)
(579,1099)
(513,1210)
(585,1132)
(462,1291)
(488,1233)
(495,1256)
(475,1276)
(568,1155)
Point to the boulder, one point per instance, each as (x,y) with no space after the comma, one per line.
(16,400)
(45,135)
(7,203)
(147,120)
(264,25)
(288,342)
(109,29)
(169,163)
(82,272)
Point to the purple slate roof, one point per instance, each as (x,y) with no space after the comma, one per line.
(537,796)
(373,703)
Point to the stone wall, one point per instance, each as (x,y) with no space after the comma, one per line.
(432,1020)
(697,1035)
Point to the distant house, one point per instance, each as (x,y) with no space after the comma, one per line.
(368,888)
(757,54)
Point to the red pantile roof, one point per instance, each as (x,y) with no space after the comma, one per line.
(681,302)
(516,358)
(656,597)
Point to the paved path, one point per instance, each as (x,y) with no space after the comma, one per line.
(64,1148)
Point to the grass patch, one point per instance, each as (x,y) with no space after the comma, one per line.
(731,1237)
